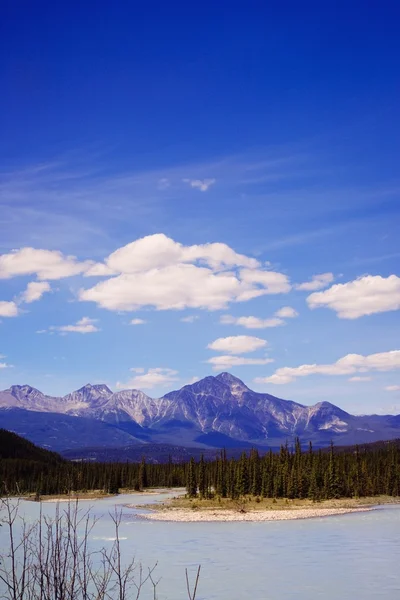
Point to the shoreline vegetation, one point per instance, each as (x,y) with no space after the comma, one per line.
(95,495)
(255,509)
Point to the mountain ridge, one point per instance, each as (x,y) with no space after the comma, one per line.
(216,409)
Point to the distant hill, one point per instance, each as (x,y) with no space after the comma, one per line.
(153,453)
(372,446)
(12,446)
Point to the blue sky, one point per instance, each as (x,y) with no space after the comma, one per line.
(186,168)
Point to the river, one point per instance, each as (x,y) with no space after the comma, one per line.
(346,557)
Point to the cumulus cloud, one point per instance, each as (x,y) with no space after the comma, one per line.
(201,184)
(158,251)
(8,309)
(360,378)
(318,282)
(84,325)
(46,264)
(157,377)
(237,344)
(392,388)
(156,271)
(251,322)
(286,312)
(34,291)
(364,296)
(224,362)
(138,322)
(347,365)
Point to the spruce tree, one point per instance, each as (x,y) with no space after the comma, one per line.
(202,478)
(191,485)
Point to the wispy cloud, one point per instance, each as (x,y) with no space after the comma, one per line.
(156,377)
(219,363)
(347,365)
(201,184)
(190,319)
(237,344)
(317,282)
(84,325)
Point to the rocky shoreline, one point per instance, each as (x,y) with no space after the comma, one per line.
(177,515)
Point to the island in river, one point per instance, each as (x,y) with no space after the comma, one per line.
(183,509)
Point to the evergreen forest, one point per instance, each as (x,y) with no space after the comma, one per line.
(290,473)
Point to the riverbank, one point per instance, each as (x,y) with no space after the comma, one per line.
(185,516)
(250,509)
(96,495)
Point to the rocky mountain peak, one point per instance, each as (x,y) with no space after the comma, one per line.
(24,391)
(235,384)
(101,388)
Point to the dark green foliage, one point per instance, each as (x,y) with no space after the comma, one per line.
(14,446)
(191,485)
(202,478)
(143,481)
(291,473)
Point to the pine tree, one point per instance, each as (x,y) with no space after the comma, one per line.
(143,483)
(202,478)
(191,485)
(242,477)
(333,485)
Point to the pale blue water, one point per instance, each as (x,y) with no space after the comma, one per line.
(347,557)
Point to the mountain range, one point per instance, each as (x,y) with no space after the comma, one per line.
(214,412)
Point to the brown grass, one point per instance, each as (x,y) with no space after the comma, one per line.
(253,504)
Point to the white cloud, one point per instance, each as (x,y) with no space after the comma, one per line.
(263,282)
(364,296)
(98,270)
(227,362)
(360,378)
(4,365)
(138,370)
(159,272)
(237,344)
(158,251)
(392,388)
(347,365)
(193,380)
(251,322)
(287,312)
(318,282)
(46,264)
(84,325)
(201,184)
(190,319)
(157,377)
(8,309)
(138,322)
(34,291)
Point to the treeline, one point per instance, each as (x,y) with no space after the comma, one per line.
(298,474)
(290,473)
(24,476)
